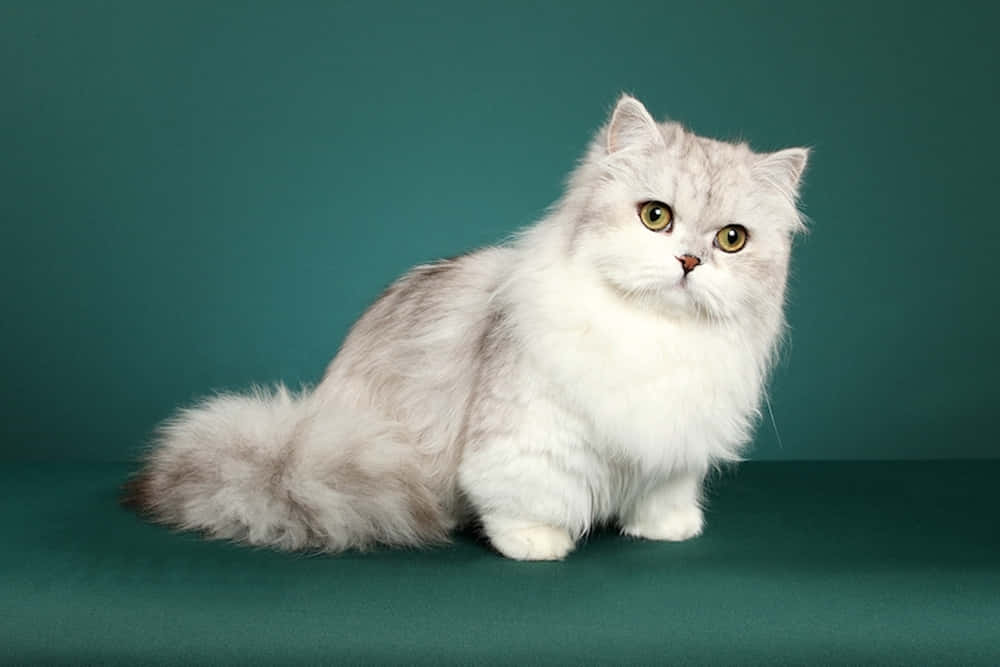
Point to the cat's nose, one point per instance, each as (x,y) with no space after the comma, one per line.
(688,262)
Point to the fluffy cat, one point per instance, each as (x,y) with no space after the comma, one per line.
(591,371)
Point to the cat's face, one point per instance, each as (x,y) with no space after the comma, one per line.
(685,224)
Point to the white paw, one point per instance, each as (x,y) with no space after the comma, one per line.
(677,525)
(522,540)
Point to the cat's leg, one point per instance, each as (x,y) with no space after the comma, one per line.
(668,511)
(529,488)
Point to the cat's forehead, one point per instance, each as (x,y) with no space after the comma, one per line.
(703,157)
(704,177)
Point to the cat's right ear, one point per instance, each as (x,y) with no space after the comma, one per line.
(631,126)
(783,170)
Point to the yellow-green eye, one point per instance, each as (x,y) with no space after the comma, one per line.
(731,238)
(656,215)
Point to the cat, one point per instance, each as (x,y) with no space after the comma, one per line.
(592,370)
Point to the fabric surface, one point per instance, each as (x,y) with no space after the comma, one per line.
(801,563)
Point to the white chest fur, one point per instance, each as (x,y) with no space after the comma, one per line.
(665,393)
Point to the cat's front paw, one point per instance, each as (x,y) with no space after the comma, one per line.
(523,540)
(676,525)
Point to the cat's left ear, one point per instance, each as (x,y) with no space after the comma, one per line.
(631,126)
(783,170)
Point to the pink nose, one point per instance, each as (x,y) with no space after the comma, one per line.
(688,262)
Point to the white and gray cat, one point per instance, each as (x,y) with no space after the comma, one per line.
(591,371)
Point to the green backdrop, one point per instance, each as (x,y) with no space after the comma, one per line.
(198,195)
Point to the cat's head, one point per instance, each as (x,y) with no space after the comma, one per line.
(685,224)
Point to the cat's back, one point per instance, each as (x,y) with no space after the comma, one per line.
(414,353)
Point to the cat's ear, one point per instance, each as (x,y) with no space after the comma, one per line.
(631,126)
(783,170)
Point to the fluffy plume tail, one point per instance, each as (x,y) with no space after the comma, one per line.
(289,471)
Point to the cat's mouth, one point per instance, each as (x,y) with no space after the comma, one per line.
(684,284)
(679,294)
(675,296)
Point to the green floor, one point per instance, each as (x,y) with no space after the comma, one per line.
(887,563)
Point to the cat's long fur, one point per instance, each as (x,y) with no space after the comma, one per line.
(572,377)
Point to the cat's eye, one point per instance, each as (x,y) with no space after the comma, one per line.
(731,238)
(656,215)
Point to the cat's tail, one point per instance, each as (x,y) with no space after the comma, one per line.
(290,471)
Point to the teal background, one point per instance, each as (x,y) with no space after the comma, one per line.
(201,195)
